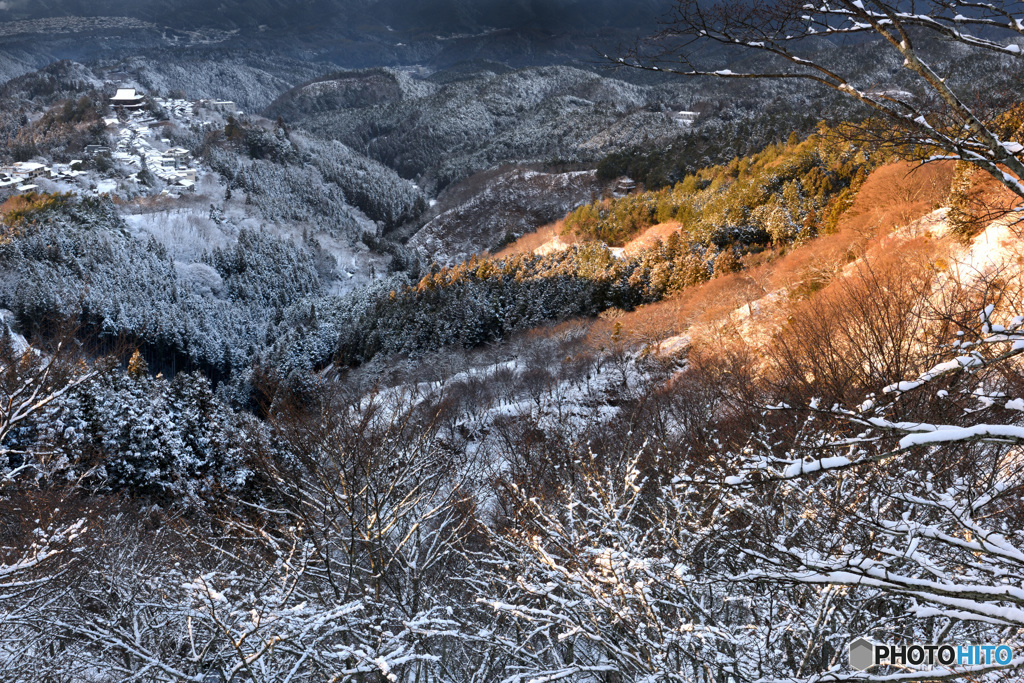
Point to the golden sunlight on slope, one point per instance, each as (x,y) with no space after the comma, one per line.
(651,236)
(753,303)
(544,240)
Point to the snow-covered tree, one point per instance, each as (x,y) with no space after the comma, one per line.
(911,501)
(31,564)
(30,382)
(900,520)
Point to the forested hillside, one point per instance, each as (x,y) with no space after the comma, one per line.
(450,370)
(785,192)
(441,131)
(472,457)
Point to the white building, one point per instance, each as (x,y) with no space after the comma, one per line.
(685,118)
(127,98)
(223,106)
(176,157)
(30,169)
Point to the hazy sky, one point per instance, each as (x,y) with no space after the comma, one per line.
(408,13)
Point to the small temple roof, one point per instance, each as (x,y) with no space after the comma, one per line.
(126,95)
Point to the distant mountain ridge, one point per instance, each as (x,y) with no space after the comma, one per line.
(448,16)
(347,33)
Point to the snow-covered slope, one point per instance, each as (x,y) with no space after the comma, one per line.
(12,67)
(449,128)
(487,211)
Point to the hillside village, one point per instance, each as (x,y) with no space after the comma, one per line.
(140,158)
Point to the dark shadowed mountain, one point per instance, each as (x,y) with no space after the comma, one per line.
(349,33)
(447,16)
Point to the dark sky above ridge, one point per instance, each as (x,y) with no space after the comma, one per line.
(448,16)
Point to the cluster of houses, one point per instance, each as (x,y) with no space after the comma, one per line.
(181,110)
(173,165)
(20,176)
(140,142)
(139,145)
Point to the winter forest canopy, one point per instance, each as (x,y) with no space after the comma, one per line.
(369,344)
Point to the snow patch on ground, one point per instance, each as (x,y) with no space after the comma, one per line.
(186,232)
(674,346)
(7,320)
(997,246)
(491,207)
(551,247)
(651,236)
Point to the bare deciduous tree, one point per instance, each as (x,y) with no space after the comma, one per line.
(29,383)
(939,122)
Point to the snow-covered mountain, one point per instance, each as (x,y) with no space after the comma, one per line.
(453,123)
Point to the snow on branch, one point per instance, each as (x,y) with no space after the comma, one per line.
(785,31)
